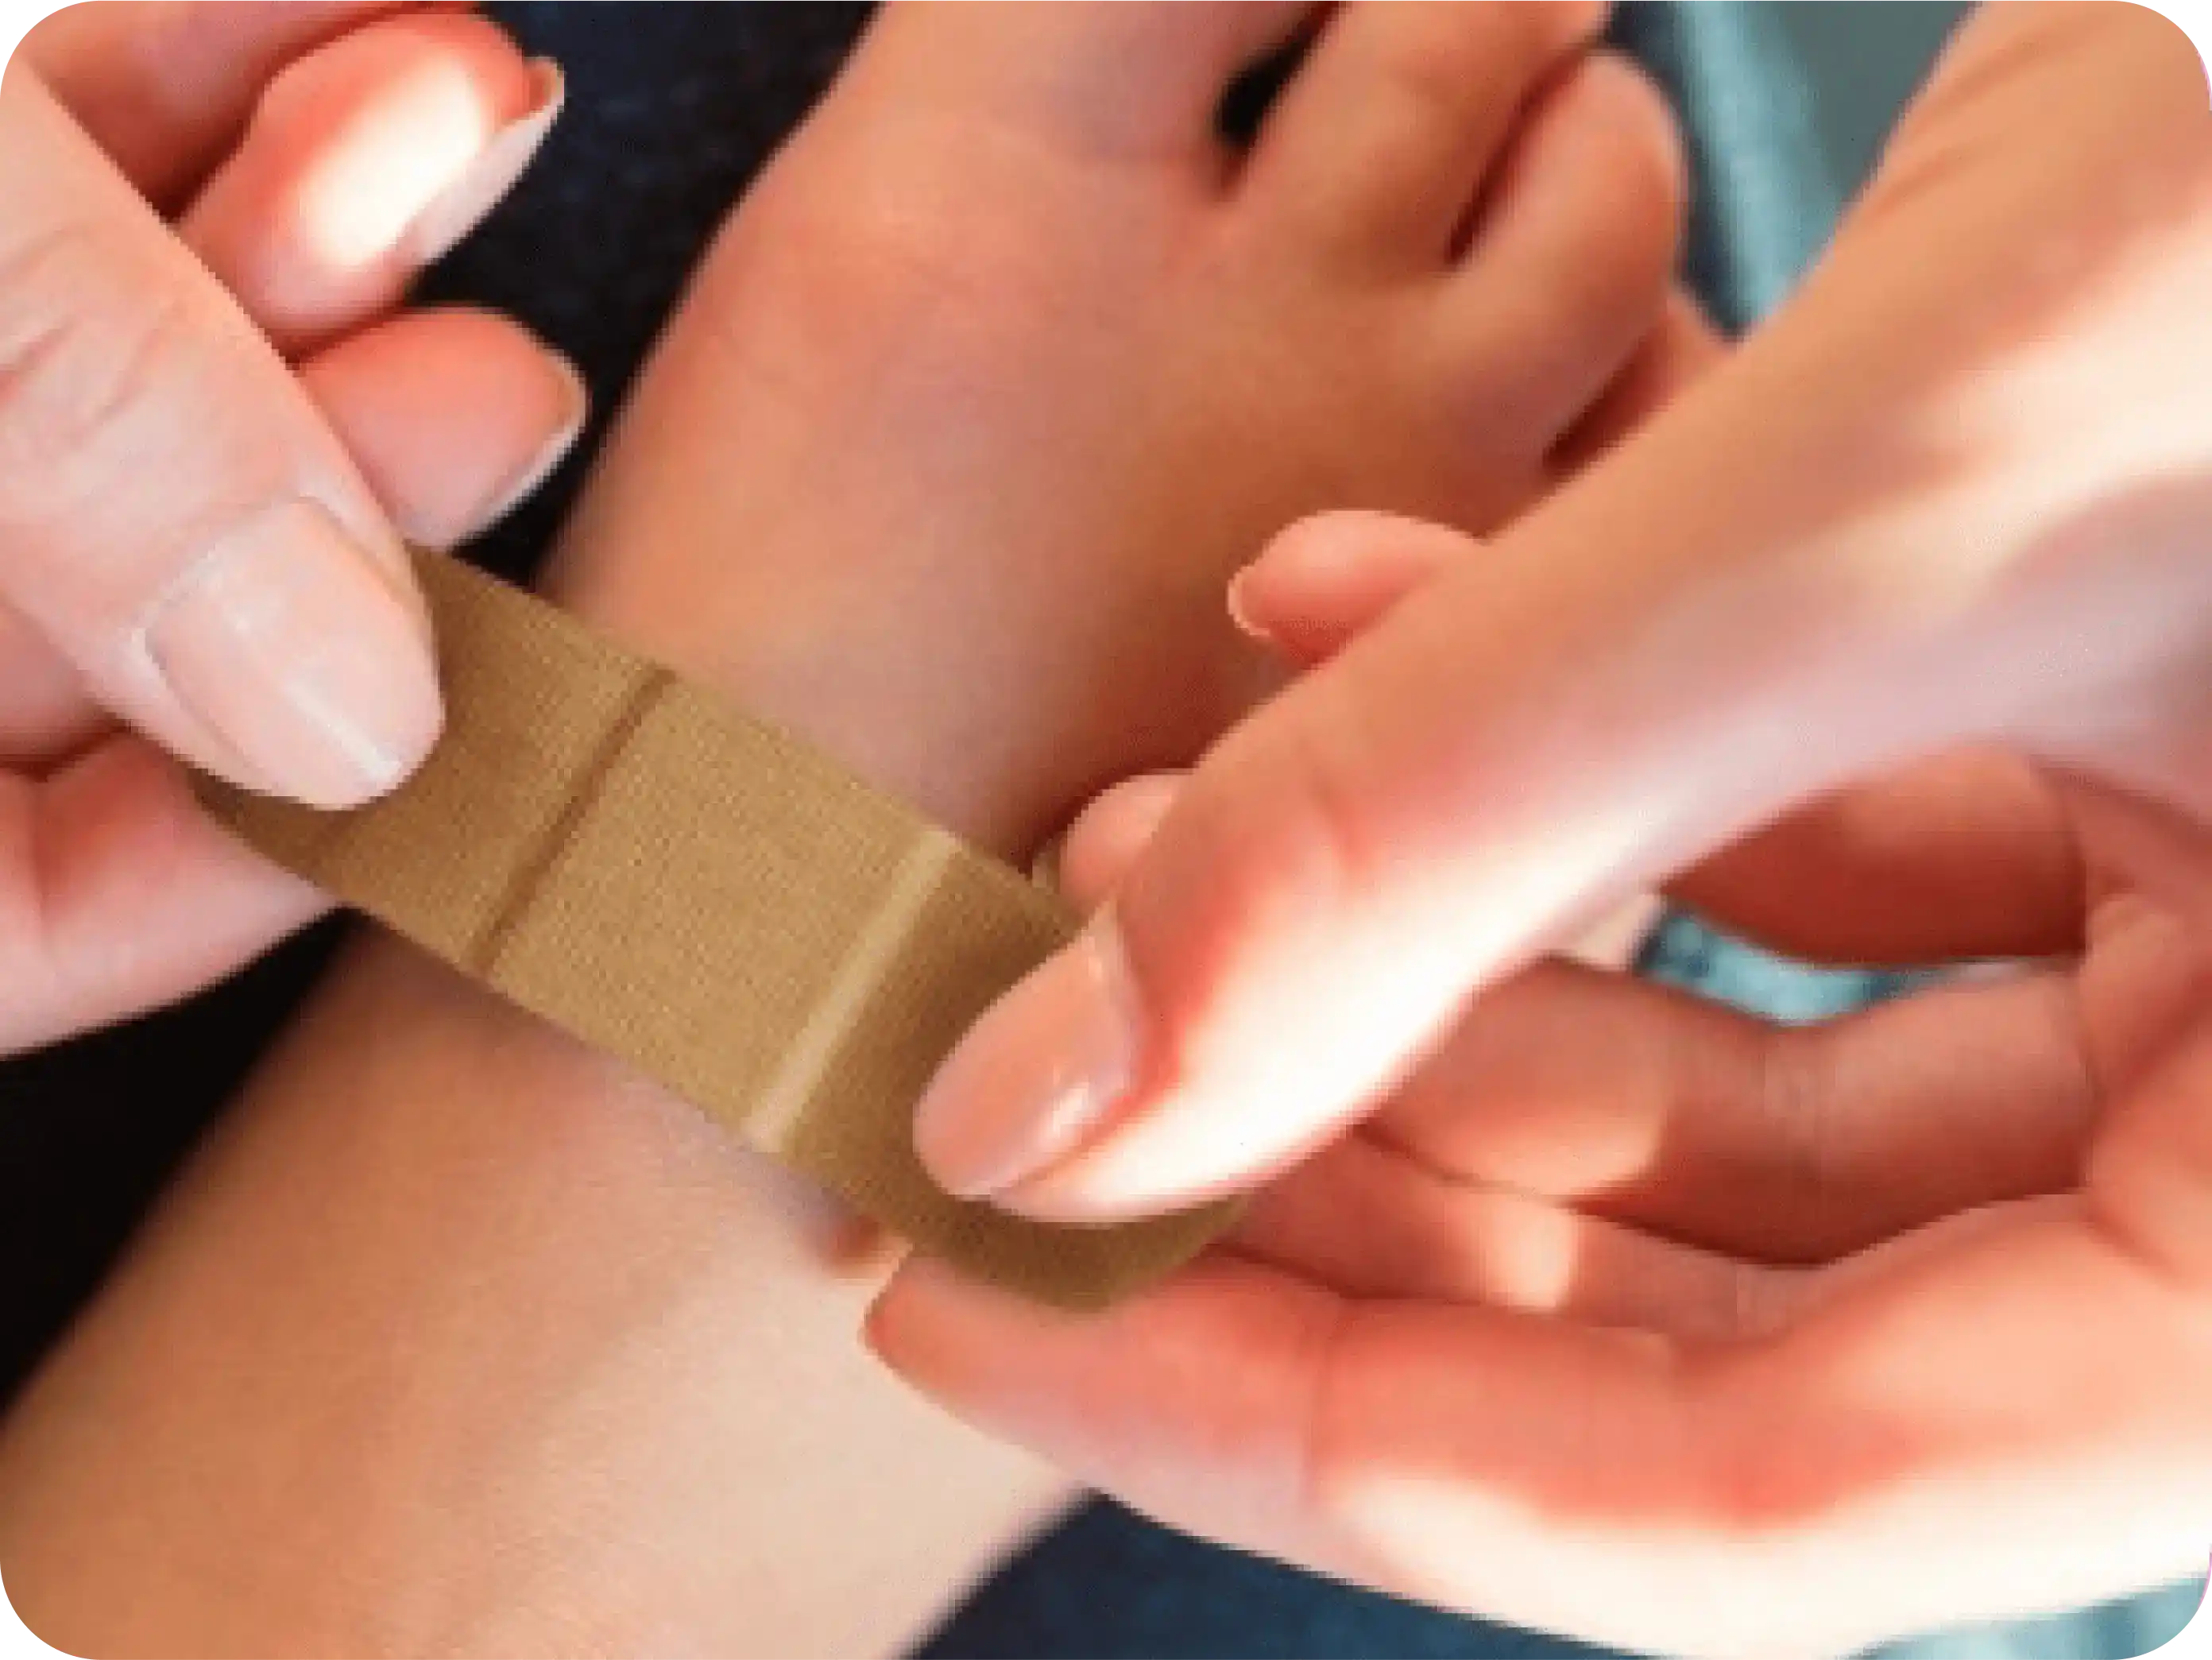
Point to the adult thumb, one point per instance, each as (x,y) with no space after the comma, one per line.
(175,519)
(1412,822)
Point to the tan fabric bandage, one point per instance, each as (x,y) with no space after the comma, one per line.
(715,902)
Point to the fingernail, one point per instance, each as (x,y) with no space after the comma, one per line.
(293,648)
(1240,605)
(461,206)
(550,455)
(1039,1073)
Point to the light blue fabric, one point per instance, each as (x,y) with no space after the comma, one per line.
(1768,190)
(2116,1631)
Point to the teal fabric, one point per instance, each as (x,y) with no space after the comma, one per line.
(1767,189)
(2133,1626)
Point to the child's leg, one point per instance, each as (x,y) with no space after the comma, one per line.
(459,1337)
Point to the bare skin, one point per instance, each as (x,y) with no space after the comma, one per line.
(457,1338)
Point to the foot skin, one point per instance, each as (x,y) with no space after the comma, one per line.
(1010,362)
(997,376)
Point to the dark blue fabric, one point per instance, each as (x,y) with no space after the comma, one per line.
(1110,1585)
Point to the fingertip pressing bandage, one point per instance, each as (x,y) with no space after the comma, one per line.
(715,902)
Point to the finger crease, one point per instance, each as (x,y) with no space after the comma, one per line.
(1310,1459)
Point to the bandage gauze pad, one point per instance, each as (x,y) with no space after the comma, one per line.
(715,902)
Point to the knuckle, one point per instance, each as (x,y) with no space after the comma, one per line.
(1760,1300)
(94,348)
(1798,1110)
(1326,1455)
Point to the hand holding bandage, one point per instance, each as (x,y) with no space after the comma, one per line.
(710,899)
(1886,644)
(217,419)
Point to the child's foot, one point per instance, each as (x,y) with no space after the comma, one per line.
(1011,360)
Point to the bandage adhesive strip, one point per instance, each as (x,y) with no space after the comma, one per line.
(713,901)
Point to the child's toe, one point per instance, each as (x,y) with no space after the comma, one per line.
(1380,143)
(1134,79)
(1567,262)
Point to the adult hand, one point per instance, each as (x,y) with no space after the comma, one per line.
(214,434)
(1617,1313)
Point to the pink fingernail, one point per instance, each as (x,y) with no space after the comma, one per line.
(535,471)
(1240,605)
(461,206)
(1037,1075)
(290,644)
